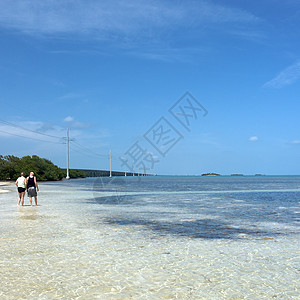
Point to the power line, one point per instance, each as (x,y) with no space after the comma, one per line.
(83,152)
(30,138)
(88,150)
(18,108)
(37,132)
(62,140)
(80,152)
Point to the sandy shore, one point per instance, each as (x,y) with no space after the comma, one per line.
(5,184)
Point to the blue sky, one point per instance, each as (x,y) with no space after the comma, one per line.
(111,70)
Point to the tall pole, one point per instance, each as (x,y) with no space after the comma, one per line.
(125,167)
(110,163)
(68,177)
(133,168)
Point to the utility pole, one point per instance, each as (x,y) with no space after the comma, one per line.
(68,177)
(110,163)
(125,167)
(133,168)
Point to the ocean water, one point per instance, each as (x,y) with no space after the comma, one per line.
(153,238)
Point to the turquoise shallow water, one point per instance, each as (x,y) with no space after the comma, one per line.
(153,238)
(206,207)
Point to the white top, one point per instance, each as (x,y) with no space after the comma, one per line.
(21,182)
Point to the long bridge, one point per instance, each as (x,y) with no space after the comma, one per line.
(105,173)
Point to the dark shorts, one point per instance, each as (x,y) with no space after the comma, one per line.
(21,190)
(31,192)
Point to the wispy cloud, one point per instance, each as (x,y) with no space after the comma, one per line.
(248,34)
(295,142)
(153,29)
(70,96)
(287,77)
(49,140)
(38,131)
(110,19)
(41,131)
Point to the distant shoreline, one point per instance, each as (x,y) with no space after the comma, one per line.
(3,184)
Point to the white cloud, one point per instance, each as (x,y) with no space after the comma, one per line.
(253,139)
(69,119)
(74,124)
(110,19)
(80,125)
(288,76)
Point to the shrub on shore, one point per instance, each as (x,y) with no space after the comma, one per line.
(11,166)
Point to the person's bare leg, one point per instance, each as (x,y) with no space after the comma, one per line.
(30,200)
(35,199)
(22,199)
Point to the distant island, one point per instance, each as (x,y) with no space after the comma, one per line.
(210,174)
(237,175)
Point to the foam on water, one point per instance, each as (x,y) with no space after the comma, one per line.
(128,242)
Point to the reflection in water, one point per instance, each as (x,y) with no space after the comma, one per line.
(31,217)
(27,212)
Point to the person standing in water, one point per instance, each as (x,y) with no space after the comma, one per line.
(32,188)
(21,184)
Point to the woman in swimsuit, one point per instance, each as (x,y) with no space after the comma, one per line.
(21,183)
